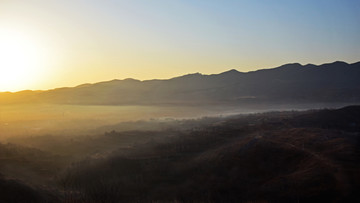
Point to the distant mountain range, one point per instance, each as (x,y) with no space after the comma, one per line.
(290,83)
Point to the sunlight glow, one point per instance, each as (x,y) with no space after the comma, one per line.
(23,60)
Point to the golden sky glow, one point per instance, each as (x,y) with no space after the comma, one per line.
(48,44)
(24,60)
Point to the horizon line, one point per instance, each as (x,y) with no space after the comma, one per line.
(194,73)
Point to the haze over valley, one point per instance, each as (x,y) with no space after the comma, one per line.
(179,101)
(82,108)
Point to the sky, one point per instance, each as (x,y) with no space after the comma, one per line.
(46,44)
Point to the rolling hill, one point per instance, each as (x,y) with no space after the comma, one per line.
(290,83)
(269,157)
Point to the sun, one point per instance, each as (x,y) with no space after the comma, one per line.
(22,60)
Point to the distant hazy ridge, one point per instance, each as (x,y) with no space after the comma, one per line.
(291,83)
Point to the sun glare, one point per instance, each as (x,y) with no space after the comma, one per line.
(22,60)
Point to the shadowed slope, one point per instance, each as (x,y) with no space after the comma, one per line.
(290,83)
(273,157)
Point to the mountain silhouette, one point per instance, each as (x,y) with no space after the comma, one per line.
(289,83)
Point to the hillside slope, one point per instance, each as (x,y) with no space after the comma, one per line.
(271,157)
(290,83)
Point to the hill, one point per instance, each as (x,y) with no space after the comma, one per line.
(269,157)
(284,156)
(290,83)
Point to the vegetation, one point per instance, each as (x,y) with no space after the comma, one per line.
(310,156)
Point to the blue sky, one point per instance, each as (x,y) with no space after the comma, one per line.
(102,40)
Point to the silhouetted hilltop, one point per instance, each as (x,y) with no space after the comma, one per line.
(290,83)
(16,191)
(23,170)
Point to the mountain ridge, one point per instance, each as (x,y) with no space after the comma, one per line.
(293,82)
(192,74)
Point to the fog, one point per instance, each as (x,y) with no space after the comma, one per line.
(65,120)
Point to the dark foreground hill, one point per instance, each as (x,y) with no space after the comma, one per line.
(24,172)
(309,156)
(290,83)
